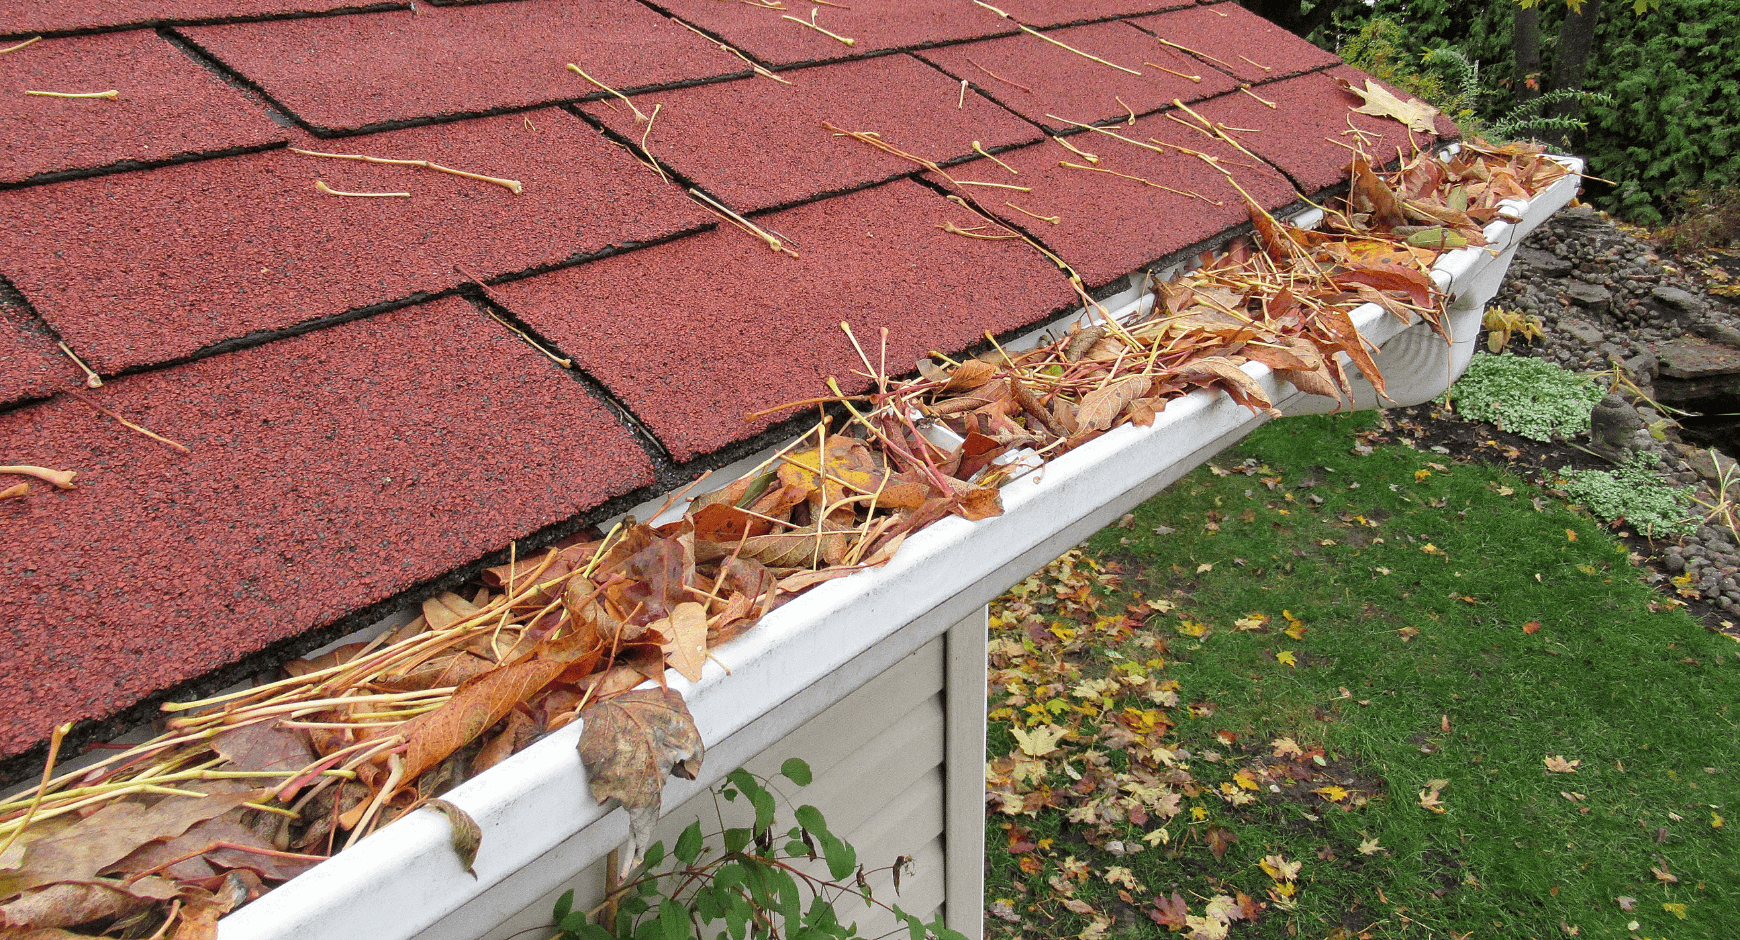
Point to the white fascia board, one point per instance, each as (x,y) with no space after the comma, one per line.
(534,808)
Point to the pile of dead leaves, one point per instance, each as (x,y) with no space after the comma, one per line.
(252,787)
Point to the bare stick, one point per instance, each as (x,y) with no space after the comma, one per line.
(145,431)
(643,147)
(321,185)
(1256,63)
(1053,219)
(998,77)
(746,60)
(1195,78)
(54,740)
(961,102)
(812,24)
(21,45)
(1072,148)
(92,379)
(1086,55)
(15,492)
(639,117)
(1241,130)
(954,229)
(743,223)
(111,94)
(1019,189)
(1194,52)
(1247,90)
(1108,133)
(1181,192)
(512,186)
(979,149)
(1216,131)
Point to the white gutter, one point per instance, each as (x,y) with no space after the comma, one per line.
(540,824)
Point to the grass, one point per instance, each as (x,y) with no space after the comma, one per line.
(1456,630)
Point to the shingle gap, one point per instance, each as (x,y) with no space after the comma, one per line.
(156,22)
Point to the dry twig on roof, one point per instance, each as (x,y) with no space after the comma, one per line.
(512,186)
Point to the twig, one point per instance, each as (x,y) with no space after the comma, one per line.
(92,379)
(1247,90)
(998,77)
(961,102)
(54,740)
(111,94)
(321,185)
(743,223)
(1195,78)
(33,39)
(59,479)
(1241,130)
(1194,52)
(764,73)
(15,492)
(512,186)
(639,116)
(145,431)
(646,150)
(1063,45)
(1019,189)
(491,294)
(1216,131)
(1108,133)
(1131,110)
(1181,192)
(1072,148)
(979,149)
(954,229)
(1053,219)
(1256,63)
(812,24)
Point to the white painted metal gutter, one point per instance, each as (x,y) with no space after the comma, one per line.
(540,823)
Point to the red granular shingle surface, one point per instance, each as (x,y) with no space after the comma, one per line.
(328,472)
(755,143)
(169,106)
(1230,33)
(872,25)
(139,268)
(349,72)
(1109,226)
(43,16)
(30,365)
(1313,111)
(1043,13)
(747,329)
(1069,86)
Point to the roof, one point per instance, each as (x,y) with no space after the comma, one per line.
(363,423)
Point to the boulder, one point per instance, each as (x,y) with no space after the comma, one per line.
(1591,297)
(1585,332)
(1718,333)
(1544,263)
(1671,303)
(1693,367)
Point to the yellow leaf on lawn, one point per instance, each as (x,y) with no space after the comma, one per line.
(1245,779)
(1570,535)
(1332,793)
(1040,741)
(1286,657)
(1559,765)
(1296,630)
(1421,475)
(1191,628)
(1278,868)
(1286,747)
(1716,820)
(1370,847)
(1678,910)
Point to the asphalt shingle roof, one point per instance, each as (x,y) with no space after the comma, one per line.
(363,422)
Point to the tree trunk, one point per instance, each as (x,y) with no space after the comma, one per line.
(1571,56)
(1527,42)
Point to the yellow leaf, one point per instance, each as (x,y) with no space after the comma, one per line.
(1716,820)
(1204,567)
(1421,475)
(1296,630)
(1198,813)
(1332,793)
(1040,741)
(1678,910)
(1191,628)
(1278,868)
(1370,847)
(1559,765)
(1570,535)
(1286,747)
(1286,657)
(1244,779)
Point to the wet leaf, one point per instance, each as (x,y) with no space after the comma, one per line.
(467,835)
(472,710)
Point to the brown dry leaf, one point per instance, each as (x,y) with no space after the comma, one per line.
(448,609)
(516,733)
(1237,382)
(1559,765)
(629,745)
(467,835)
(686,648)
(264,746)
(1416,114)
(801,549)
(1101,407)
(66,904)
(969,375)
(471,711)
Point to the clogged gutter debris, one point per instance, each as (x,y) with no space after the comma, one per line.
(252,787)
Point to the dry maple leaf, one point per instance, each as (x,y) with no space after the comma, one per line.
(629,744)
(1559,765)
(1416,114)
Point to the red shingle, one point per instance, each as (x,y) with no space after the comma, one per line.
(1046,13)
(1312,112)
(169,106)
(139,268)
(23,17)
(748,329)
(328,472)
(757,143)
(1070,86)
(342,73)
(30,365)
(1226,34)
(872,25)
(1109,226)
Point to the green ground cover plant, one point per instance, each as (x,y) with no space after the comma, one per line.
(1526,396)
(1633,493)
(1329,687)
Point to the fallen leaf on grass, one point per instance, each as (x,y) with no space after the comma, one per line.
(1626,903)
(1371,847)
(1678,910)
(1040,741)
(1286,658)
(1278,868)
(1559,765)
(1429,798)
(1286,747)
(629,744)
(1663,875)
(1532,627)
(1332,793)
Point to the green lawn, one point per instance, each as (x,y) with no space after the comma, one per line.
(1455,631)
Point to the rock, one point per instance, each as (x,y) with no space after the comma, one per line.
(1693,367)
(1612,428)
(1711,470)
(1671,303)
(1643,366)
(1719,333)
(1544,263)
(1583,330)
(1591,297)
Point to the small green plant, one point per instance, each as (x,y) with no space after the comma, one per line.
(1530,397)
(1635,494)
(744,881)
